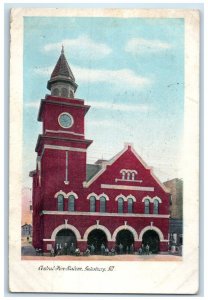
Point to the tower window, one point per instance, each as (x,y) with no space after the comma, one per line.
(130,205)
(55,92)
(92,204)
(71,94)
(156,207)
(64,92)
(102,204)
(71,203)
(120,205)
(146,206)
(60,202)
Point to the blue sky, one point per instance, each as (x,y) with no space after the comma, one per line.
(131,72)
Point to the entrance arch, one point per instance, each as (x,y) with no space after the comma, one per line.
(151,238)
(66,226)
(124,241)
(65,242)
(97,237)
(131,229)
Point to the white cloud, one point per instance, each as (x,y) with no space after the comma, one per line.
(104,105)
(33,104)
(104,123)
(140,46)
(46,71)
(121,78)
(81,47)
(124,78)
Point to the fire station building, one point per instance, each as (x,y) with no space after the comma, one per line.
(113,202)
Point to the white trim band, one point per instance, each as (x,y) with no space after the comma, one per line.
(54,147)
(62,131)
(102,214)
(127,187)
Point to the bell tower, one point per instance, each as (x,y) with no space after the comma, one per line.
(61,148)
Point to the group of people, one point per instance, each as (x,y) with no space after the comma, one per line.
(144,249)
(65,249)
(91,249)
(104,250)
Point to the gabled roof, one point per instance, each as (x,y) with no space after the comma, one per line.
(62,68)
(112,160)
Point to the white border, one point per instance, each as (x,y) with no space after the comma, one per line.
(179,278)
(72,120)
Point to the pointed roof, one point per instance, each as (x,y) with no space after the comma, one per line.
(62,67)
(62,73)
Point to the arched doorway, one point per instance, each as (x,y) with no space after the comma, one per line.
(96,238)
(151,238)
(124,241)
(65,243)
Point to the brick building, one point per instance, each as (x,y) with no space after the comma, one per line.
(113,202)
(175,187)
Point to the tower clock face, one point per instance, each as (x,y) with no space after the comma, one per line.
(65,120)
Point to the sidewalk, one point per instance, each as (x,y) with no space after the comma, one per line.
(125,257)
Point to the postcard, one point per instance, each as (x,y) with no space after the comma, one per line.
(104,137)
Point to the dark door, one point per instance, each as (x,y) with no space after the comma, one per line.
(65,242)
(151,238)
(97,237)
(124,241)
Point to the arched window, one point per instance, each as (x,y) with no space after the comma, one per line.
(128,175)
(64,92)
(71,203)
(156,206)
(130,205)
(71,94)
(60,202)
(92,203)
(55,92)
(133,176)
(102,204)
(146,206)
(123,175)
(120,205)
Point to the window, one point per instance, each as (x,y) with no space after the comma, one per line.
(128,175)
(92,203)
(130,205)
(123,175)
(64,92)
(102,204)
(120,205)
(146,206)
(156,206)
(71,203)
(55,92)
(60,202)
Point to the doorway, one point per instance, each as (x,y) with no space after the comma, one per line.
(65,243)
(124,242)
(151,238)
(96,238)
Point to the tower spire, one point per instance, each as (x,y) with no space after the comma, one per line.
(62,82)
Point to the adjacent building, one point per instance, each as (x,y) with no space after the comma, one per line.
(176,211)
